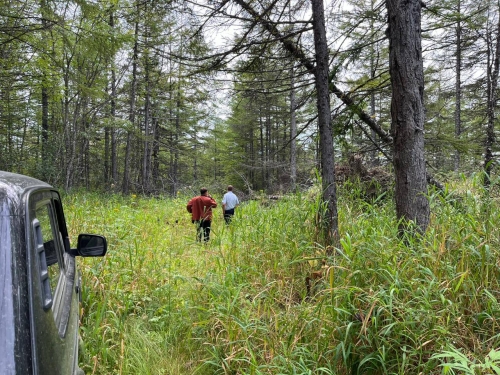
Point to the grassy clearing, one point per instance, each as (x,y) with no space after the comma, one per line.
(160,303)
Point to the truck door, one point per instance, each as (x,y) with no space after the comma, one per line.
(54,301)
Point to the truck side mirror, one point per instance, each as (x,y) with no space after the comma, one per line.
(90,245)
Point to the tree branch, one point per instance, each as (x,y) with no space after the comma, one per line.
(307,63)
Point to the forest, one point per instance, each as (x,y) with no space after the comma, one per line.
(359,135)
(156,97)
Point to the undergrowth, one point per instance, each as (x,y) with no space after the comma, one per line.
(161,303)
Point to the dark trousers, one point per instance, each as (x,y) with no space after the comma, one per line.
(228,215)
(202,229)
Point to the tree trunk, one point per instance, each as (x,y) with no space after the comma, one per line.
(178,103)
(107,156)
(155,162)
(407,113)
(69,132)
(330,217)
(293,145)
(458,84)
(195,161)
(45,123)
(492,85)
(293,135)
(373,72)
(177,132)
(262,150)
(267,148)
(114,161)
(114,158)
(44,96)
(131,116)
(293,125)
(84,154)
(146,157)
(251,152)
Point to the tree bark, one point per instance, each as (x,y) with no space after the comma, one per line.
(114,161)
(458,83)
(44,97)
(293,134)
(261,149)
(146,157)
(131,115)
(177,132)
(374,153)
(492,86)
(407,113)
(330,227)
(155,162)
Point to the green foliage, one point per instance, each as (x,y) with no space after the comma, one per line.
(160,302)
(464,365)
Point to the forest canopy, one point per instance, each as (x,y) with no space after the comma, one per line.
(159,96)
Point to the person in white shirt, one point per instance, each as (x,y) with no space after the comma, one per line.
(229,203)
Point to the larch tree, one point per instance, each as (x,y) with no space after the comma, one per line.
(324,119)
(407,113)
(492,72)
(132,102)
(458,80)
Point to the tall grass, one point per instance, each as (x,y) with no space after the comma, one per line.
(161,303)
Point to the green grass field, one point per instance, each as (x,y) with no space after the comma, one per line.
(161,303)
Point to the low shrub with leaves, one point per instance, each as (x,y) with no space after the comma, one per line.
(246,302)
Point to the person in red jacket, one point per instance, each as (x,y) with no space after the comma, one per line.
(200,208)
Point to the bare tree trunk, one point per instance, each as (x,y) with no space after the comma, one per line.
(131,116)
(72,143)
(175,174)
(372,93)
(69,131)
(45,122)
(267,149)
(174,135)
(492,86)
(7,153)
(330,225)
(177,131)
(293,124)
(84,154)
(407,112)
(262,150)
(155,162)
(195,161)
(45,97)
(458,84)
(293,142)
(146,158)
(251,152)
(107,156)
(293,135)
(114,161)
